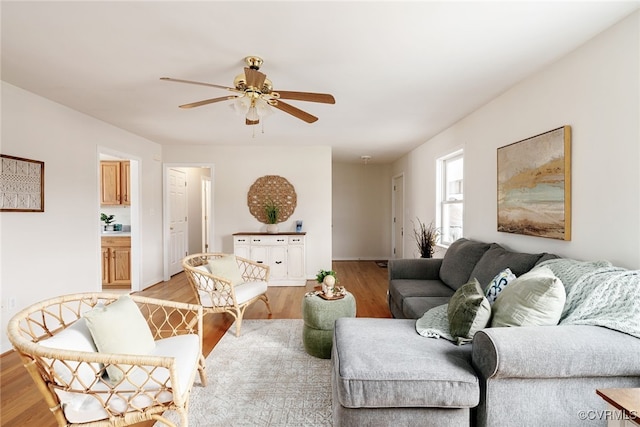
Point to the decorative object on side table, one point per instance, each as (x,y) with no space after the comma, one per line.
(328,279)
(426,236)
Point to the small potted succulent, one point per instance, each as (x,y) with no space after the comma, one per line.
(107,219)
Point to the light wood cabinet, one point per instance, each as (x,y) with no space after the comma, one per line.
(115,187)
(283,253)
(116,261)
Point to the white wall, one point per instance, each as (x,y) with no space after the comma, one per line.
(308,169)
(58,251)
(596,91)
(361,211)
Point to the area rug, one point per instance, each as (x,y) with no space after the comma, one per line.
(262,378)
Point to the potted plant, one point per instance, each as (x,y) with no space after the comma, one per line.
(426,236)
(272,212)
(328,279)
(107,219)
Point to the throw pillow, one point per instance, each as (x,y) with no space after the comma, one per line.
(534,299)
(227,268)
(468,312)
(498,284)
(119,328)
(75,337)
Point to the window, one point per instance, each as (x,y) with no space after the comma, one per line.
(450,197)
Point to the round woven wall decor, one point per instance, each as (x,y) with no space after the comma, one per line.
(272,188)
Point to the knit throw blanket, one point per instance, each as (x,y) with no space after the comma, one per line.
(599,294)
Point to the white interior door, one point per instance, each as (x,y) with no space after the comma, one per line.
(398,216)
(177,219)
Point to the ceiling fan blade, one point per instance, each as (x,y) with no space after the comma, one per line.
(207,101)
(254,77)
(169,79)
(325,98)
(296,112)
(251,122)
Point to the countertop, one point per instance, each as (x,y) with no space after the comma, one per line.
(116,234)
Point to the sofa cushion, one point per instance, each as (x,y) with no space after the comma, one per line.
(534,299)
(497,258)
(498,283)
(460,260)
(468,312)
(403,288)
(405,369)
(416,307)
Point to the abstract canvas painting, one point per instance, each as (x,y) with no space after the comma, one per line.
(21,184)
(534,185)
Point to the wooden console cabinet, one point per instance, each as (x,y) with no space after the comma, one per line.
(115,183)
(284,253)
(116,261)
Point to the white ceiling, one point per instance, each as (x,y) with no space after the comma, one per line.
(401,72)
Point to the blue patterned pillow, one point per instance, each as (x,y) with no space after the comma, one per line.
(498,284)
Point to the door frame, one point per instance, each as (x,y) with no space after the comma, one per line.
(166,208)
(394,214)
(136,244)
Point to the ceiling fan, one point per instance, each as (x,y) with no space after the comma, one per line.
(254,95)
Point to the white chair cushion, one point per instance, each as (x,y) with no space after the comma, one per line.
(82,408)
(244,292)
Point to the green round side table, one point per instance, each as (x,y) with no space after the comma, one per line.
(319,316)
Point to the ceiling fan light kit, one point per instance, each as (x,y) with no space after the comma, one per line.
(254,95)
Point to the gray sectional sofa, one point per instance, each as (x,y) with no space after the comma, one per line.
(384,373)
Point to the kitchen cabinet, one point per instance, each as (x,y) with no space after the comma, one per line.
(284,253)
(115,187)
(116,261)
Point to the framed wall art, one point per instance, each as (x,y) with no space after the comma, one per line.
(534,185)
(21,184)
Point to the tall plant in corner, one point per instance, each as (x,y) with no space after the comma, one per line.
(426,236)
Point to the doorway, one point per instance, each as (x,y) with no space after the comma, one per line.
(119,249)
(397,226)
(188,218)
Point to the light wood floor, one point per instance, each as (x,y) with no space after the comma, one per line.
(21,404)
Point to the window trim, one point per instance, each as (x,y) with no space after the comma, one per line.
(441,190)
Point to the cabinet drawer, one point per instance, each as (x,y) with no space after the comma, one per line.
(269,240)
(241,240)
(124,241)
(296,240)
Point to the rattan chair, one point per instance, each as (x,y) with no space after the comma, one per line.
(218,294)
(74,383)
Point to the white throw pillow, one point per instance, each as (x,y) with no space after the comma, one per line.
(75,337)
(534,299)
(498,284)
(120,328)
(227,268)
